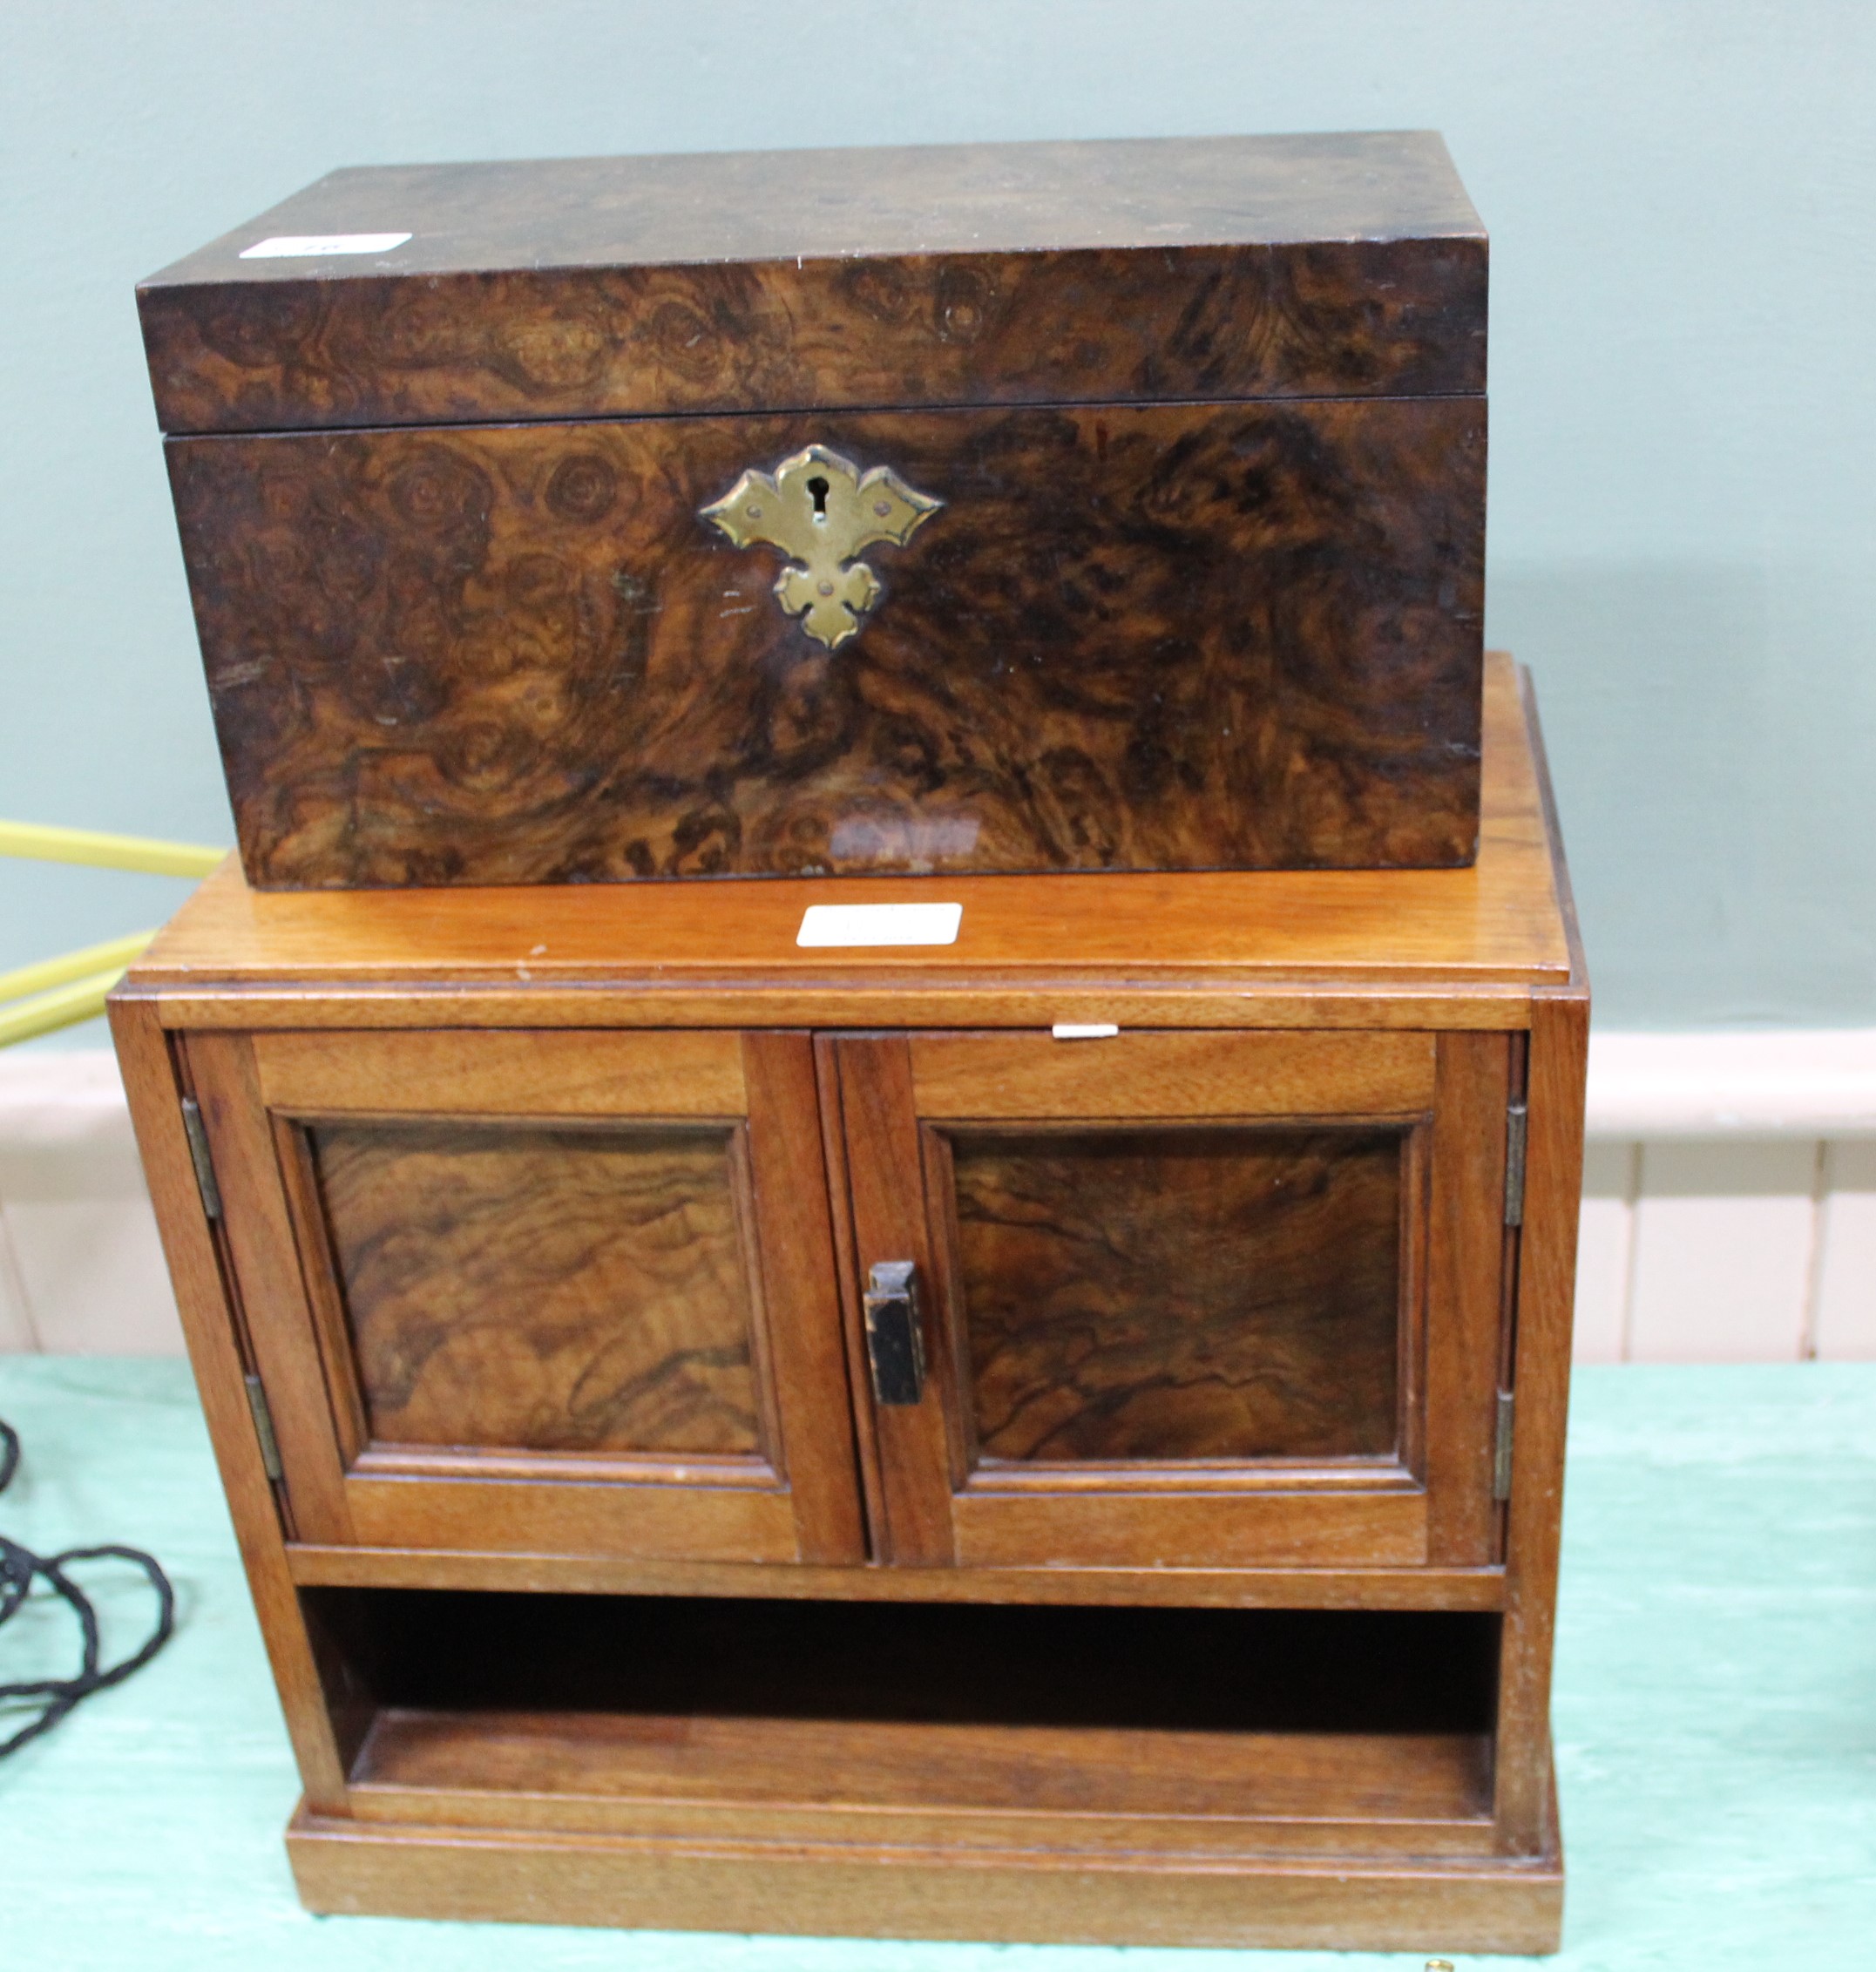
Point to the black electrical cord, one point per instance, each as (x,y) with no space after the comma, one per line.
(18,1567)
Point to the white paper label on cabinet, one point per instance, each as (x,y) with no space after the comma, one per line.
(304,246)
(880,924)
(1084,1030)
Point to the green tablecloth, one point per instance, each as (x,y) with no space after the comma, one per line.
(1716,1709)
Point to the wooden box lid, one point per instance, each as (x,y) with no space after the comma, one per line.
(1138,271)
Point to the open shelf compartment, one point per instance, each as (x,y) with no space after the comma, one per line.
(1199,1730)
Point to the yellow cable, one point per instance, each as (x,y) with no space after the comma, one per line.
(117,952)
(82,1000)
(48,844)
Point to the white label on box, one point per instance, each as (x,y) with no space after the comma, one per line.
(304,246)
(880,924)
(1084,1030)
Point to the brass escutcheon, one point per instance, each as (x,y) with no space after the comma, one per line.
(820,510)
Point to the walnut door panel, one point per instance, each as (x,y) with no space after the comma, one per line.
(506,1308)
(1181,1294)
(440,1230)
(1188,1298)
(1132,637)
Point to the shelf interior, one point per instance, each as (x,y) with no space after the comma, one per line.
(469,1700)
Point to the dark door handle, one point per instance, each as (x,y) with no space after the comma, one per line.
(895,1338)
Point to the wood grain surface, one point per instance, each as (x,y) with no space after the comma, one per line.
(1343,1586)
(263,1259)
(555,1290)
(1099,1791)
(801,1350)
(1547,1276)
(1032,272)
(222,1355)
(1467,1315)
(517,1074)
(1195,1294)
(1036,1516)
(1418,949)
(975,1077)
(736,1510)
(1185,637)
(917,1451)
(1374,1902)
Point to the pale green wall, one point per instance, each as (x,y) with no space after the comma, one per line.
(1684,368)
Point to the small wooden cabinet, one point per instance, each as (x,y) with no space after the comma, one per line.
(1055,1436)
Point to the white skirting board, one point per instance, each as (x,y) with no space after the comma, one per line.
(1729,1204)
(81,1271)
(1729,1198)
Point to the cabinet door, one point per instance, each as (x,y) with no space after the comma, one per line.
(1190,1299)
(534,1292)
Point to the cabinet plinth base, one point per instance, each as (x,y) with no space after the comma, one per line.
(534,1876)
(1005,1772)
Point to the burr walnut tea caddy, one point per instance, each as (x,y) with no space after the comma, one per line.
(1052,1435)
(1028,507)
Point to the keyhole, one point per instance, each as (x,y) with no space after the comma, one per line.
(818,488)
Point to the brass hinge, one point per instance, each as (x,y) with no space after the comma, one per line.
(205,1169)
(257,1402)
(1517,1129)
(1501,1446)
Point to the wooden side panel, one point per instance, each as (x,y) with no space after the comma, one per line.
(1546,1281)
(209,1325)
(563,1289)
(446,1073)
(1465,1313)
(886,1188)
(1173,1075)
(1182,637)
(1180,1294)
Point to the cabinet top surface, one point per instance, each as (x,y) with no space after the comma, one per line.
(839,204)
(1501,922)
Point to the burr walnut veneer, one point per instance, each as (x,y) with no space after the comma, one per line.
(1180,565)
(730,1435)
